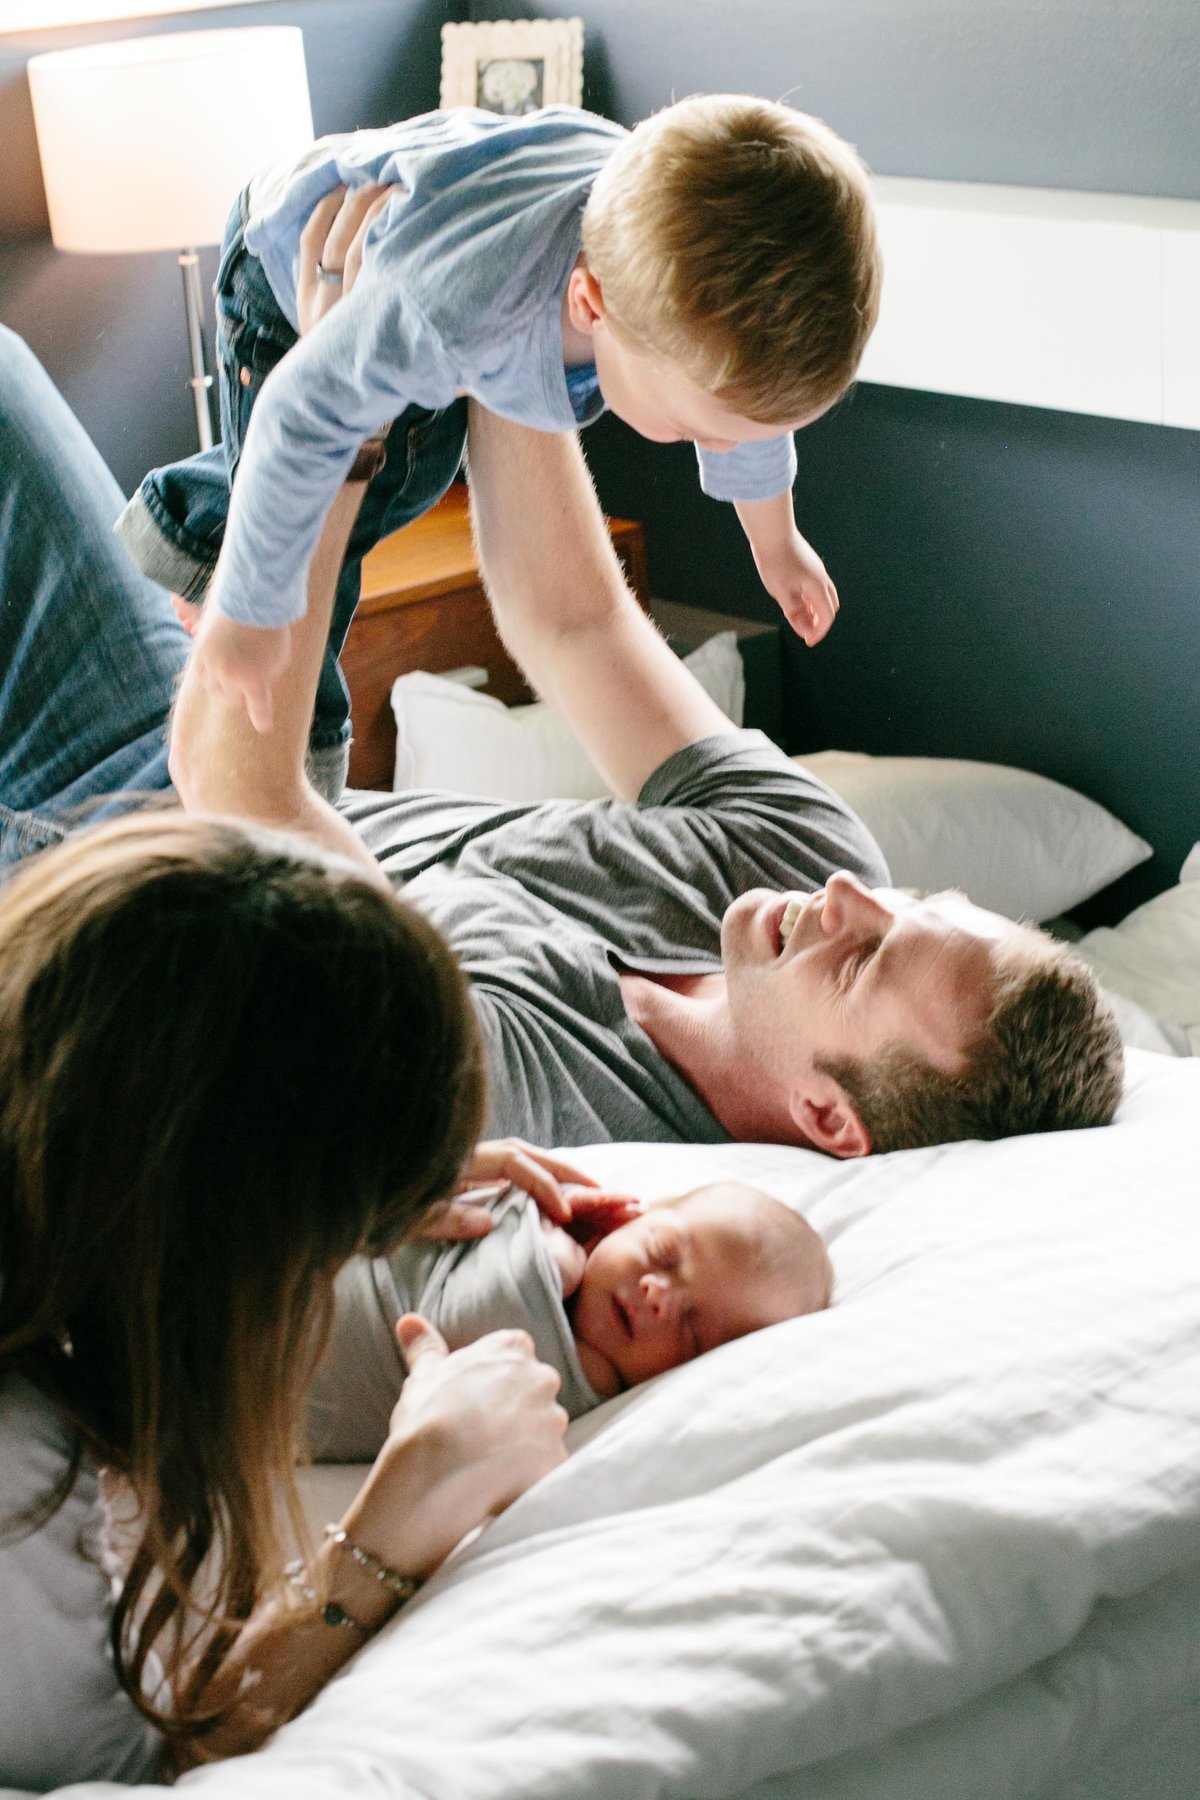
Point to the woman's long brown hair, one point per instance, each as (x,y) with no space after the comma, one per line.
(226,1065)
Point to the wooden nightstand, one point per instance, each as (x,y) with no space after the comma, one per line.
(423,607)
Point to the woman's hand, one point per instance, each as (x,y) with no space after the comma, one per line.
(472,1430)
(331,246)
(501,1163)
(470,1433)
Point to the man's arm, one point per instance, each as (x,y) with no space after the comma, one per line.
(218,762)
(564,611)
(221,764)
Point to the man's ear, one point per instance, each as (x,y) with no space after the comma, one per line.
(827,1118)
(585,300)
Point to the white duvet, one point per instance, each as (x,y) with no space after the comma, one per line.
(934,1542)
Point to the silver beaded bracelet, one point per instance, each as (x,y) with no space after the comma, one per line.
(402,1586)
(333,1612)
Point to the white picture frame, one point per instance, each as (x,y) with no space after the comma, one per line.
(513,66)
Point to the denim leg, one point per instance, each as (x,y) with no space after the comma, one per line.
(424,454)
(89,650)
(175,524)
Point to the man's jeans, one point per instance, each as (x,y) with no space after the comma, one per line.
(175,524)
(89,649)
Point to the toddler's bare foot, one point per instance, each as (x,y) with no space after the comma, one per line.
(187,612)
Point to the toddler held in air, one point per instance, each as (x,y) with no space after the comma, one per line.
(712,276)
(663,1286)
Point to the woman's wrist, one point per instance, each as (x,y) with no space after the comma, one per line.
(395,1516)
(350,1593)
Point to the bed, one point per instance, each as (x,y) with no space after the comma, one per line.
(941,1540)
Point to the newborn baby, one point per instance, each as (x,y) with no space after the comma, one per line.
(683,1277)
(607,1308)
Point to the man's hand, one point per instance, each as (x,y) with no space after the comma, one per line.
(332,241)
(789,568)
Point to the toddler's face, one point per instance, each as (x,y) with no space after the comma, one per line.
(685,1277)
(663,405)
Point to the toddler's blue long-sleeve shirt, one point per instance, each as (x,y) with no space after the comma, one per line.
(460,292)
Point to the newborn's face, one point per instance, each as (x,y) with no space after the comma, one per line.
(676,1282)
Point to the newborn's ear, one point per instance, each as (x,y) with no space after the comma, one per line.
(826,1117)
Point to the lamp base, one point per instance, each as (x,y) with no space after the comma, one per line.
(200,380)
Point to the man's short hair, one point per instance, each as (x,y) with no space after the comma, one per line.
(1048,1059)
(735,239)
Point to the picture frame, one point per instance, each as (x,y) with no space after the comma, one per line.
(513,66)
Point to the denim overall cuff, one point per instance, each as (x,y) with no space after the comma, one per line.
(327,767)
(158,552)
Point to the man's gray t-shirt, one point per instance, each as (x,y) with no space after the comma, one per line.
(544,905)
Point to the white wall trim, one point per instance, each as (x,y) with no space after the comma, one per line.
(1081,302)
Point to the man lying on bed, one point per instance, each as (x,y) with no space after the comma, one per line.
(620,1295)
(639,968)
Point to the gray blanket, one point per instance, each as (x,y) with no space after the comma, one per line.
(505,1280)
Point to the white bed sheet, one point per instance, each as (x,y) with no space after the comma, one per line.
(943,1539)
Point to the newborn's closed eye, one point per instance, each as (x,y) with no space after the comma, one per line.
(664,1252)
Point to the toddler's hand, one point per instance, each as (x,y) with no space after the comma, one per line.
(794,576)
(242,663)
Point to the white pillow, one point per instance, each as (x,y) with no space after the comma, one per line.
(1015,842)
(1151,962)
(450,736)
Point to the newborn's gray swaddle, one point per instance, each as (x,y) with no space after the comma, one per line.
(503,1281)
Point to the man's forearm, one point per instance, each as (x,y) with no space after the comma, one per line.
(564,610)
(220,764)
(542,539)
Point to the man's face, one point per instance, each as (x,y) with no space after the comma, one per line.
(850,971)
(677,1282)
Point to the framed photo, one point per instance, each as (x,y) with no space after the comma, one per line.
(513,66)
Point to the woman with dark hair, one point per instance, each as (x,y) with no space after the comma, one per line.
(227,1064)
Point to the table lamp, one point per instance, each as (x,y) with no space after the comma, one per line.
(146,143)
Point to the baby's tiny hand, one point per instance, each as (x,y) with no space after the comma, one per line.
(594,1215)
(795,577)
(242,663)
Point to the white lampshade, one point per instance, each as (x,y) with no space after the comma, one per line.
(146,143)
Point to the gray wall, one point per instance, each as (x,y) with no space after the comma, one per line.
(1017,585)
(110,329)
(1096,94)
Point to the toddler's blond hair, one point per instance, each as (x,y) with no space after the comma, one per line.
(735,239)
